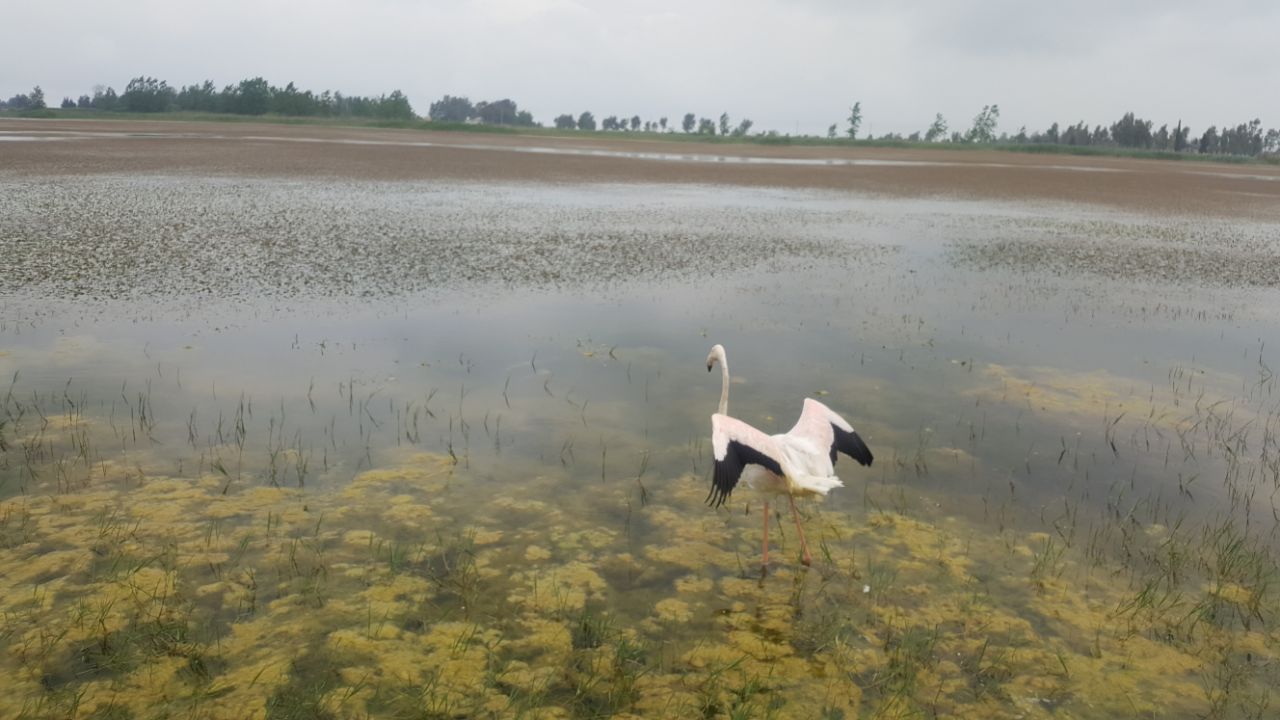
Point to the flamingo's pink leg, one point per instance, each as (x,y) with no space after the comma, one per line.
(804,547)
(765,561)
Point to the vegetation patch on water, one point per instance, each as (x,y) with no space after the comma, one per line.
(120,237)
(1203,252)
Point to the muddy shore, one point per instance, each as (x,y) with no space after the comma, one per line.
(80,147)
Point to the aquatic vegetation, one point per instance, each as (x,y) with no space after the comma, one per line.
(315,243)
(132,594)
(419,587)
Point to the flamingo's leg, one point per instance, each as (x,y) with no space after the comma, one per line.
(765,561)
(804,547)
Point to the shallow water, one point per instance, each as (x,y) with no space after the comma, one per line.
(297,448)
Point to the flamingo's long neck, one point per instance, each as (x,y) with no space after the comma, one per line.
(724,386)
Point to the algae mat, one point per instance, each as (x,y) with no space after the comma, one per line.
(413,593)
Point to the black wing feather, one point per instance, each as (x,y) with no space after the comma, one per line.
(727,471)
(850,444)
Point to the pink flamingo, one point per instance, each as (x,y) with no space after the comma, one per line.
(800,462)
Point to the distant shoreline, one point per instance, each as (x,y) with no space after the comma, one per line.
(373,153)
(747,140)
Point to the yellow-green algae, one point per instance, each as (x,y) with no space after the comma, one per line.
(1098,394)
(134,595)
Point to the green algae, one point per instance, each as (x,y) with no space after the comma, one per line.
(397,595)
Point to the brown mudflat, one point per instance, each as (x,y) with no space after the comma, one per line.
(263,149)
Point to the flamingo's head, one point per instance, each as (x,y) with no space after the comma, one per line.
(717,355)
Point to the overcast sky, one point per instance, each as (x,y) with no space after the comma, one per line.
(787,64)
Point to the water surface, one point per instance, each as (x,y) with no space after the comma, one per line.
(322,447)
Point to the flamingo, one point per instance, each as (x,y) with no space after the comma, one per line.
(800,462)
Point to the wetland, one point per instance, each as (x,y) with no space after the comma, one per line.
(345,424)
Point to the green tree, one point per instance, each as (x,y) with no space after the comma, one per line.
(1271,143)
(499,112)
(831,131)
(724,123)
(635,122)
(565,122)
(21,101)
(706,126)
(586,121)
(1160,140)
(854,119)
(688,122)
(323,103)
(1243,139)
(84,102)
(250,97)
(451,109)
(105,99)
(937,130)
(346,106)
(984,125)
(1209,140)
(610,123)
(1077,135)
(37,98)
(1180,137)
(287,101)
(390,107)
(743,128)
(201,98)
(662,123)
(68,103)
(147,95)
(1132,131)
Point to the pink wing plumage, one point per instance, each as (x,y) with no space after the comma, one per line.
(821,426)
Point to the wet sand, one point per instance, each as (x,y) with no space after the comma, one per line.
(303,151)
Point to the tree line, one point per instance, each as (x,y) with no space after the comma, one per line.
(1129,132)
(497,112)
(252,96)
(255,96)
(691,124)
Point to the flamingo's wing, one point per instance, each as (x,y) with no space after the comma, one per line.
(736,445)
(824,428)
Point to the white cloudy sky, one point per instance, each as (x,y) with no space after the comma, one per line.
(787,64)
